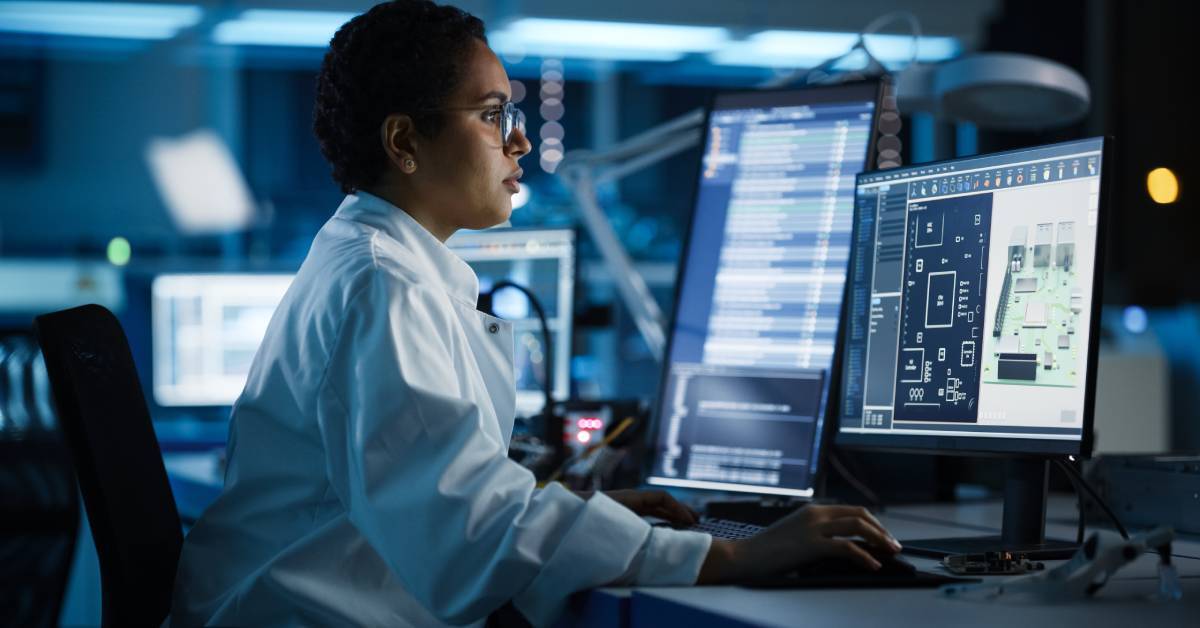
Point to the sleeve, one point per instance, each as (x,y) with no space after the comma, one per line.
(431,488)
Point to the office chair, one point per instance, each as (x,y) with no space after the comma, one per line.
(126,495)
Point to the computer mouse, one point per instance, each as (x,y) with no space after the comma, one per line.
(892,564)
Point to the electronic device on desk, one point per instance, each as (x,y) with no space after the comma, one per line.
(1148,491)
(751,351)
(972,320)
(991,563)
(601,438)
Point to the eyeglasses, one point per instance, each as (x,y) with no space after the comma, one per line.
(511,119)
(507,116)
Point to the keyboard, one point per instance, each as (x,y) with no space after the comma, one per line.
(726,529)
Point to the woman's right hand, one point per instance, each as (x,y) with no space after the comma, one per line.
(811,533)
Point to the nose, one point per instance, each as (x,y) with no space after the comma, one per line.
(518,144)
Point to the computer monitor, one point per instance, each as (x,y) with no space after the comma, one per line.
(205,330)
(542,260)
(751,348)
(972,316)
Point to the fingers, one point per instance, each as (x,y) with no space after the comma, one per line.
(670,509)
(850,549)
(855,526)
(840,512)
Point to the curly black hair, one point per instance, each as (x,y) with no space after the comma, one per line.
(402,56)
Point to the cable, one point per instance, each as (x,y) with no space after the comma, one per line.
(1079,482)
(1081,521)
(854,482)
(486,303)
(887,18)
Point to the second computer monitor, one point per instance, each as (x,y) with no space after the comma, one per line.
(973,304)
(747,374)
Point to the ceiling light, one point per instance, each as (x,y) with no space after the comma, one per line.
(122,20)
(272,27)
(805,49)
(618,41)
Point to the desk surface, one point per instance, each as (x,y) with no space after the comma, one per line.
(196,481)
(1123,602)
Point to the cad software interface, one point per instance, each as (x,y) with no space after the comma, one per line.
(971,296)
(761,292)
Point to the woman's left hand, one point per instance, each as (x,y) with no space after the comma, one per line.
(655,504)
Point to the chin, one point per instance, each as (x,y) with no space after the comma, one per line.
(494,217)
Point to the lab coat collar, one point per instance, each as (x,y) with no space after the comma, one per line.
(456,276)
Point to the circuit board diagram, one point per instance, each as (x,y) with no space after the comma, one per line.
(941,325)
(1038,310)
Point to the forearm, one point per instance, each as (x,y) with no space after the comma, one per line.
(719,564)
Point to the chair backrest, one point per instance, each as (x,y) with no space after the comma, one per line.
(103,415)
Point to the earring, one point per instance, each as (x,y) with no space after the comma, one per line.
(410,165)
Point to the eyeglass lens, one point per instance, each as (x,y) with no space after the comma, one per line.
(512,119)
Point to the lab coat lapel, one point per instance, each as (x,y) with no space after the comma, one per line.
(491,341)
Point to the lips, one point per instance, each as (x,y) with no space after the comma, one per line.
(512,182)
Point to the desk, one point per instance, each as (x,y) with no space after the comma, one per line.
(195,479)
(1120,603)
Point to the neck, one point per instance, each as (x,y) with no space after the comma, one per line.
(425,216)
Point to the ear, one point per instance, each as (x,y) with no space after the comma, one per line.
(399,137)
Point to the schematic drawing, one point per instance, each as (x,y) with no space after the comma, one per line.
(941,324)
(1038,310)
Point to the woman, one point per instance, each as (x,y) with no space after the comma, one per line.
(368,481)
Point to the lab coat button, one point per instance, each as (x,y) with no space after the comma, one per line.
(493,328)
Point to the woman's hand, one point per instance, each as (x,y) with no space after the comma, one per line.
(806,535)
(655,504)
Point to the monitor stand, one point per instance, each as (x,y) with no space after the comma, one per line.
(1024,525)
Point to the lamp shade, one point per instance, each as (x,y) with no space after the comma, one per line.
(996,90)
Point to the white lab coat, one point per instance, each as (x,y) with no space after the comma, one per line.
(368,479)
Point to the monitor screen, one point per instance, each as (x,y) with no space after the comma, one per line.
(205,329)
(972,307)
(747,375)
(543,261)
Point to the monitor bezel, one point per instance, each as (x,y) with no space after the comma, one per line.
(1020,447)
(873,89)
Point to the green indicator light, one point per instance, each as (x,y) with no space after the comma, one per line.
(119,251)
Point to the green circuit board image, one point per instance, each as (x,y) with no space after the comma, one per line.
(1034,340)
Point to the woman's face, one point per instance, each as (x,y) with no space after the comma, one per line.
(467,175)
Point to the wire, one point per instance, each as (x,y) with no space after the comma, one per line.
(548,351)
(1081,521)
(914,25)
(825,70)
(854,482)
(1079,482)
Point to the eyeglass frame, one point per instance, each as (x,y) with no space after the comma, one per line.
(511,118)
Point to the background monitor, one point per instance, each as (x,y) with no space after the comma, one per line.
(759,296)
(205,330)
(973,308)
(542,260)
